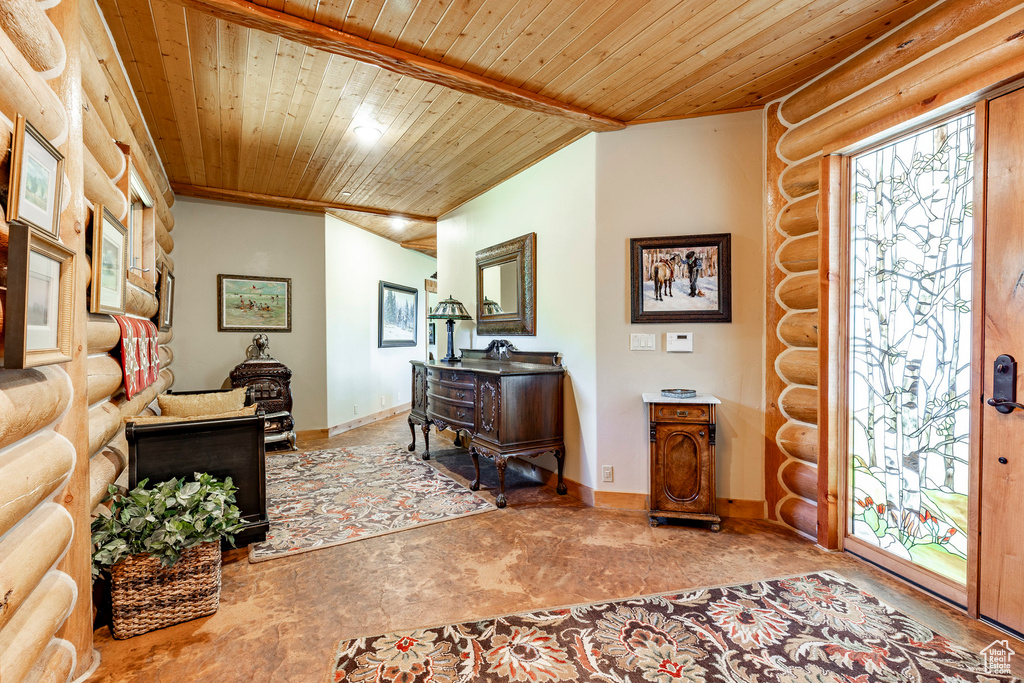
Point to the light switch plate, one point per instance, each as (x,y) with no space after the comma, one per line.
(641,342)
(679,342)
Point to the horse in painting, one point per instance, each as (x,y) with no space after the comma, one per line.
(663,273)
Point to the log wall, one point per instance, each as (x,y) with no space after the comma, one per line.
(61,426)
(951,54)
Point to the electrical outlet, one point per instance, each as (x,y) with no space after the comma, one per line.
(607,473)
(355,410)
(382,404)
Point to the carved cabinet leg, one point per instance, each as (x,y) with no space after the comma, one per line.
(560,456)
(426,441)
(501,461)
(412,428)
(475,484)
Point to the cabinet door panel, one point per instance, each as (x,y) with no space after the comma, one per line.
(683,476)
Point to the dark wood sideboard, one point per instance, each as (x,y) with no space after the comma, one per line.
(508,402)
(682,458)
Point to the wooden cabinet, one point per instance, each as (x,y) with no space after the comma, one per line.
(508,402)
(682,459)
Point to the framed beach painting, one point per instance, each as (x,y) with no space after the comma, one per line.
(165,312)
(684,279)
(107,288)
(396,315)
(40,288)
(37,178)
(254,304)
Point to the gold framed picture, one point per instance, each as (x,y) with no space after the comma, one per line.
(40,291)
(109,263)
(165,314)
(37,178)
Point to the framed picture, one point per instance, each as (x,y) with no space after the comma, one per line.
(685,279)
(109,262)
(37,178)
(396,315)
(40,290)
(165,313)
(432,334)
(253,304)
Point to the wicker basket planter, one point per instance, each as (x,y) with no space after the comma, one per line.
(146,596)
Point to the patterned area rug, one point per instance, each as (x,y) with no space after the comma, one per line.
(817,628)
(325,498)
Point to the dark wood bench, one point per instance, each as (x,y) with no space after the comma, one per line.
(230,447)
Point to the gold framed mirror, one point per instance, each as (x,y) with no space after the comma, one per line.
(506,288)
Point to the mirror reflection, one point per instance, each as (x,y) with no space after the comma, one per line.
(501,289)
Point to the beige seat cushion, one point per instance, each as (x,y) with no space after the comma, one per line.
(163,419)
(195,405)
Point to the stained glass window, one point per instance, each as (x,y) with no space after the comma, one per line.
(910,346)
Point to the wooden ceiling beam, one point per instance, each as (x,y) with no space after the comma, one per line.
(426,245)
(291,203)
(398,61)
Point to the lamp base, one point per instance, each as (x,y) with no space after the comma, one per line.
(451,357)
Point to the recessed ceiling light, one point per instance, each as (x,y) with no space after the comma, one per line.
(367,134)
(398,222)
(346,193)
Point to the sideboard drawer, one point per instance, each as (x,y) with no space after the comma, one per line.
(681,412)
(458,394)
(450,377)
(451,412)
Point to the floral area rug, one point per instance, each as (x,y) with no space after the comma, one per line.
(817,628)
(325,498)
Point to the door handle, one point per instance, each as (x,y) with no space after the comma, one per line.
(1004,385)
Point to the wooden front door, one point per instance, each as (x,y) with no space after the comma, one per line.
(1001,523)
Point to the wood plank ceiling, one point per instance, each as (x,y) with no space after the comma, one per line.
(247,111)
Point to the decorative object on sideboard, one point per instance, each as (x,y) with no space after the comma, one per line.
(165,313)
(679,393)
(683,279)
(450,310)
(40,291)
(247,303)
(397,315)
(506,288)
(507,402)
(270,381)
(682,469)
(108,285)
(36,180)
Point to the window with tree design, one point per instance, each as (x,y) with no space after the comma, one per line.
(911,228)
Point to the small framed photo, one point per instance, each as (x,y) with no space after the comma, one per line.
(107,291)
(37,178)
(165,314)
(684,279)
(40,290)
(396,315)
(254,304)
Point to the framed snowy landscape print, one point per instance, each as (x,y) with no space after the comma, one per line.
(684,279)
(396,315)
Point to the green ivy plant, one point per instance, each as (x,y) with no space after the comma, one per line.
(164,520)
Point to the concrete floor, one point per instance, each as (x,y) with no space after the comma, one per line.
(280,620)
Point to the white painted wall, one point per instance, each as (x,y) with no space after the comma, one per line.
(702,175)
(359,373)
(335,270)
(216,237)
(555,199)
(585,202)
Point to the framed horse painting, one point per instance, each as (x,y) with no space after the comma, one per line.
(684,279)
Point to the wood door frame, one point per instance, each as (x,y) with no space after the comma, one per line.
(834,504)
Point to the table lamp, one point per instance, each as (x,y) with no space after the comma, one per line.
(450,310)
